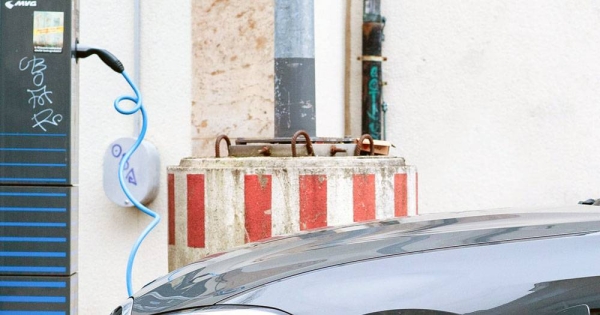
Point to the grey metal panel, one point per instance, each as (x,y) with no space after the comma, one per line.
(38,295)
(295,101)
(38,230)
(35,94)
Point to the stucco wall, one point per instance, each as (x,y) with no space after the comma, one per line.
(233,71)
(330,70)
(495,101)
(106,231)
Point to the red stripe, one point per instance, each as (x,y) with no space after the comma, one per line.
(171,207)
(195,211)
(400,195)
(257,202)
(313,201)
(364,197)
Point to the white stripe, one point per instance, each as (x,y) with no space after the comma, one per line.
(224,199)
(411,189)
(285,202)
(340,206)
(384,195)
(180,199)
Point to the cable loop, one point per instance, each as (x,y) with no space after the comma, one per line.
(137,100)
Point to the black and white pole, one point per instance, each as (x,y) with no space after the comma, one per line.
(294,67)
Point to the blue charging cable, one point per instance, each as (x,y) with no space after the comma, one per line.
(156,217)
(117,66)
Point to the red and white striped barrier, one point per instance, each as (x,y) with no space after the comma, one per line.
(217,204)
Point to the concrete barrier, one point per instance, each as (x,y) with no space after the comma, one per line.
(216,204)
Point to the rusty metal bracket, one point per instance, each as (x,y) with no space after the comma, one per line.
(265,151)
(218,147)
(334,150)
(360,142)
(309,148)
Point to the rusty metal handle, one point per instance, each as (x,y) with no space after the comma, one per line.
(218,146)
(309,147)
(360,142)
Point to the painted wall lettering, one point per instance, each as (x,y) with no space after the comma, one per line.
(373,112)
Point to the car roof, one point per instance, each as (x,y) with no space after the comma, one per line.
(448,222)
(217,278)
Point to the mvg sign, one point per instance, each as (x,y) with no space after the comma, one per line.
(11,4)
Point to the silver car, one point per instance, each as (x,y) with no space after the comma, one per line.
(507,261)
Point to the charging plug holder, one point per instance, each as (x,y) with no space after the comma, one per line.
(141,173)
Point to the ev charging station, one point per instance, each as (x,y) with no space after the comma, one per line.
(38,157)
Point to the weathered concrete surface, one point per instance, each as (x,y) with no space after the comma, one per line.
(217,204)
(233,73)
